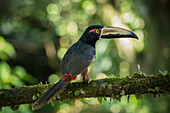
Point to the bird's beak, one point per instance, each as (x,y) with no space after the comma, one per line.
(115,32)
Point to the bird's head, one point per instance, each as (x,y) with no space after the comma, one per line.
(96,32)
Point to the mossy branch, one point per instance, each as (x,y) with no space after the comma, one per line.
(114,87)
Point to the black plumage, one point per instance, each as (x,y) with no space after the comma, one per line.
(79,57)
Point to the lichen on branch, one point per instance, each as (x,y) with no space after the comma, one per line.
(114,87)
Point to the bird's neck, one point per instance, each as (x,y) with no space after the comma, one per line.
(89,43)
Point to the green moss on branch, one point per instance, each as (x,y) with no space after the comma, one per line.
(110,87)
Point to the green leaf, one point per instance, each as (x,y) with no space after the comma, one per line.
(69,92)
(58,96)
(151,90)
(52,103)
(129,77)
(112,95)
(122,93)
(82,100)
(38,95)
(138,96)
(34,97)
(41,83)
(15,107)
(61,102)
(72,101)
(6,49)
(165,72)
(118,97)
(76,93)
(153,95)
(157,89)
(99,99)
(54,98)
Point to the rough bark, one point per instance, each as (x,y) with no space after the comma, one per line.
(115,88)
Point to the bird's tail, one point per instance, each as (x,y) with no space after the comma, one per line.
(50,93)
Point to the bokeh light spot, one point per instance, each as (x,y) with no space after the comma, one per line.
(124,68)
(101,76)
(89,7)
(7,28)
(61,53)
(126,49)
(144,109)
(64,42)
(139,23)
(115,108)
(53,17)
(29,2)
(53,8)
(166,52)
(126,6)
(76,1)
(106,63)
(102,46)
(53,78)
(130,108)
(72,28)
(64,2)
(127,17)
(50,49)
(139,44)
(61,30)
(65,107)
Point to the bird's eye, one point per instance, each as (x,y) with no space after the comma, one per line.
(97,31)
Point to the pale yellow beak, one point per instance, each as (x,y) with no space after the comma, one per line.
(115,32)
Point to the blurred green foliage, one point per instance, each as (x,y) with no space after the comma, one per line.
(6,50)
(14,76)
(42,31)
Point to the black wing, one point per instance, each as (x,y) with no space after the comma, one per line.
(77,59)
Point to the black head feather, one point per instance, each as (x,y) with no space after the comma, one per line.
(90,37)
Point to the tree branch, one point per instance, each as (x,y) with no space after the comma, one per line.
(114,87)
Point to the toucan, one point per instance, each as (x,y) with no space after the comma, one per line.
(79,57)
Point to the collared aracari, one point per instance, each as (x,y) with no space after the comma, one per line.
(79,57)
